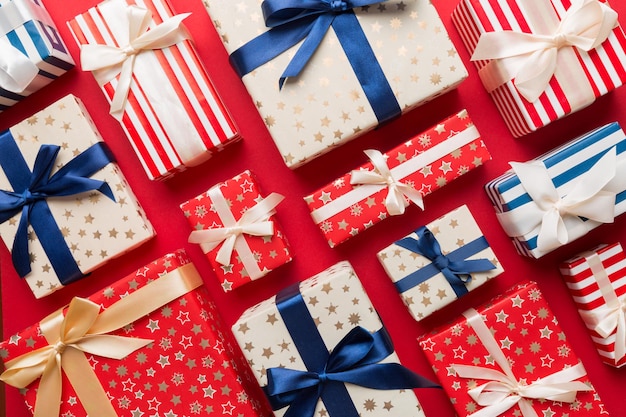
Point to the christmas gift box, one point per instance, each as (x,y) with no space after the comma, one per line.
(597,281)
(440,262)
(381,59)
(151,343)
(319,348)
(510,358)
(65,207)
(381,187)
(541,60)
(237,230)
(562,195)
(32,53)
(140,55)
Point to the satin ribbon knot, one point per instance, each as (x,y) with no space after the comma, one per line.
(338,6)
(395,202)
(108,62)
(60,347)
(532,59)
(552,215)
(442,262)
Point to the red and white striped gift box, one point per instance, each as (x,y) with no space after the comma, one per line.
(585,287)
(173,117)
(602,69)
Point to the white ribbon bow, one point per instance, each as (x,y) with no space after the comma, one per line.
(16,70)
(395,201)
(611,316)
(255,221)
(531,59)
(555,215)
(504,390)
(109,61)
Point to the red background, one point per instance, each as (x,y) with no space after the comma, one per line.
(257,153)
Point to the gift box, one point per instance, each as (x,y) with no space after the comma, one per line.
(381,187)
(163,97)
(74,211)
(597,281)
(562,195)
(379,61)
(287,340)
(440,262)
(237,230)
(541,60)
(151,343)
(32,53)
(510,358)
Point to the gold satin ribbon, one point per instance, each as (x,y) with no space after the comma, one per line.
(84,330)
(108,61)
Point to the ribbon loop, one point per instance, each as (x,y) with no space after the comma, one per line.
(110,61)
(16,70)
(531,59)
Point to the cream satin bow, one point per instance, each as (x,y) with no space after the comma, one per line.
(16,70)
(531,59)
(80,331)
(395,201)
(255,221)
(504,390)
(109,61)
(552,213)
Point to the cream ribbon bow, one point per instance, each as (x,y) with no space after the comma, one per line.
(16,70)
(255,221)
(611,316)
(80,331)
(109,61)
(531,59)
(395,201)
(555,215)
(504,390)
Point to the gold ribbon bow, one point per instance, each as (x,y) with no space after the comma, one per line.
(531,59)
(557,217)
(504,390)
(108,61)
(255,221)
(84,330)
(395,201)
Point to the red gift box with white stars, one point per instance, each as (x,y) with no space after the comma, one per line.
(528,335)
(240,194)
(427,162)
(191,367)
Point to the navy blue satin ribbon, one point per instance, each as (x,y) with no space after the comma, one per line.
(32,189)
(454,266)
(291,21)
(354,360)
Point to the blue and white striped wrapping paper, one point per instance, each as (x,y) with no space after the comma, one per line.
(27,26)
(564,164)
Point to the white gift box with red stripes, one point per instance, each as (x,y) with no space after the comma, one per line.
(173,117)
(599,71)
(585,275)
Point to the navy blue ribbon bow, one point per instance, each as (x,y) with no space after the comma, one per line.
(354,360)
(291,21)
(32,189)
(454,266)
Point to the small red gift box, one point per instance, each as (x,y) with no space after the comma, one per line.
(510,358)
(236,228)
(150,344)
(597,281)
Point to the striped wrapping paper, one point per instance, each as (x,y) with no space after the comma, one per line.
(27,26)
(564,165)
(583,286)
(603,68)
(174,117)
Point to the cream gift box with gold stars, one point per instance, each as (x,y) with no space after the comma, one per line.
(303,323)
(326,105)
(88,227)
(427,285)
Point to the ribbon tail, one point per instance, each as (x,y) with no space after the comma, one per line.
(395,202)
(16,70)
(383,376)
(226,251)
(535,74)
(123,89)
(620,336)
(19,251)
(553,232)
(48,401)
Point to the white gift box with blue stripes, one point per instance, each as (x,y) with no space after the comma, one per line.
(32,53)
(575,169)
